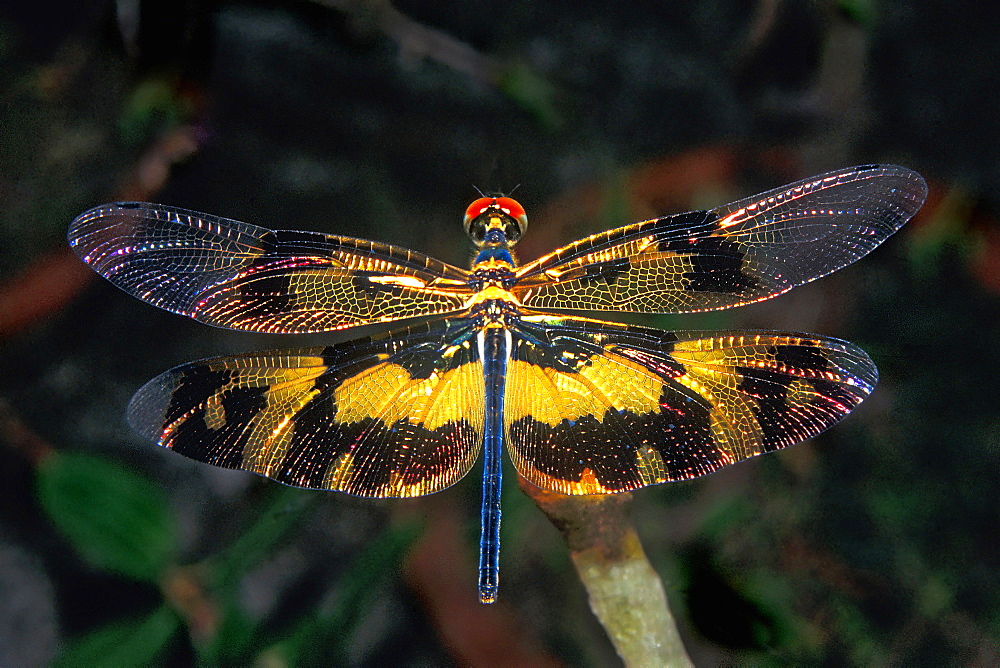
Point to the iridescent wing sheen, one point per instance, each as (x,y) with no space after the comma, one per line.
(232,274)
(395,415)
(744,252)
(595,407)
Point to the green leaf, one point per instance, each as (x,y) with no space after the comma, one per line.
(134,643)
(234,640)
(532,92)
(115,519)
(238,636)
(863,12)
(725,514)
(153,106)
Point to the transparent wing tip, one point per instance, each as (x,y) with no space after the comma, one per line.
(147,411)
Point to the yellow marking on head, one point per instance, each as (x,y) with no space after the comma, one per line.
(492,263)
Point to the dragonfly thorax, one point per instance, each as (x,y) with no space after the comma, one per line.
(493,297)
(494,308)
(492,268)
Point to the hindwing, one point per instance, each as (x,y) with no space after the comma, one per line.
(595,407)
(388,416)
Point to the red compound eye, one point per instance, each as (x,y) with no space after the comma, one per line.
(479,206)
(510,206)
(502,214)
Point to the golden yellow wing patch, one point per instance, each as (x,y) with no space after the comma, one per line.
(396,415)
(595,407)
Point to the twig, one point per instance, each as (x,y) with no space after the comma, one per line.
(518,81)
(42,289)
(54,280)
(626,595)
(417,41)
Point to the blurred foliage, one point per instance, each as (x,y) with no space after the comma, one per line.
(945,231)
(533,92)
(864,12)
(153,107)
(120,522)
(139,642)
(323,637)
(117,520)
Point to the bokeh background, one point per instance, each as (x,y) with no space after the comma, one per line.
(877,543)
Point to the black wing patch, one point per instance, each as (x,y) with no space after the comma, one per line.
(595,407)
(750,250)
(394,415)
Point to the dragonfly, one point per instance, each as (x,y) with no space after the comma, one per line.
(502,356)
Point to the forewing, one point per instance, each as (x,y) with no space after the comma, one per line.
(232,274)
(597,408)
(743,252)
(390,416)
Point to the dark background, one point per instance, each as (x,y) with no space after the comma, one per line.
(875,543)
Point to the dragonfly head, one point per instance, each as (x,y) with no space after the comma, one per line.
(495,221)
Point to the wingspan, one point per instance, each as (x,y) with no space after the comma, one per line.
(744,252)
(596,407)
(232,274)
(395,415)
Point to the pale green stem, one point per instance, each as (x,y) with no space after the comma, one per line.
(626,594)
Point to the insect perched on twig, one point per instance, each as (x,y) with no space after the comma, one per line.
(583,406)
